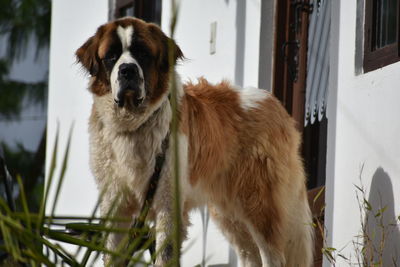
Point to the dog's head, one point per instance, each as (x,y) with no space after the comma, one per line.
(129,58)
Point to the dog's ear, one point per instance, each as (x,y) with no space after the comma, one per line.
(178,52)
(167,45)
(87,55)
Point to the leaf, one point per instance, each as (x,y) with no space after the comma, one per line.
(22,20)
(23,201)
(380,212)
(367,205)
(363,250)
(318,194)
(63,170)
(359,188)
(49,180)
(328,253)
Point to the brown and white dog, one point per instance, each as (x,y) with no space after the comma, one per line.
(239,149)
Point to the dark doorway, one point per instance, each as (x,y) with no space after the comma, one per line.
(290,83)
(148,10)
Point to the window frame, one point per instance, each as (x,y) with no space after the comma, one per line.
(143,9)
(119,4)
(380,57)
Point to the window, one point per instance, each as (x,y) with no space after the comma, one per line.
(148,10)
(381,33)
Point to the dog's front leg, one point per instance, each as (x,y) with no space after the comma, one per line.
(164,237)
(165,225)
(118,212)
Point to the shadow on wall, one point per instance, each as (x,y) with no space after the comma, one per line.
(384,235)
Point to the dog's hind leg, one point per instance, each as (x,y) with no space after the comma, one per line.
(267,224)
(271,256)
(239,237)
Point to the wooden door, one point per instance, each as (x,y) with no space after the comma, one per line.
(291,56)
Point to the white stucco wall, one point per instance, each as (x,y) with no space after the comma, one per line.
(236,59)
(363,130)
(73,21)
(237,45)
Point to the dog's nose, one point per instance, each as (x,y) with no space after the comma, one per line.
(128,71)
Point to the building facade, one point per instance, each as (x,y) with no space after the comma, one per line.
(323,60)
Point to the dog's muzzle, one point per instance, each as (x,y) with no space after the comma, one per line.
(130,84)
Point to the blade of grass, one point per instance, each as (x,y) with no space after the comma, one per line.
(40,258)
(62,174)
(76,241)
(4,205)
(174,129)
(86,257)
(21,231)
(145,246)
(7,181)
(6,237)
(98,228)
(318,194)
(24,202)
(88,251)
(49,181)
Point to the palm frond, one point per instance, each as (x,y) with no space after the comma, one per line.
(23,20)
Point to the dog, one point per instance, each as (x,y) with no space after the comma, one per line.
(238,149)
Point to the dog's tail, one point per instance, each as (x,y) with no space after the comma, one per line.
(300,249)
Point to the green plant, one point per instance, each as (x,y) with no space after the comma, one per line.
(365,251)
(33,238)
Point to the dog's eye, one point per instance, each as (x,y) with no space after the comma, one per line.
(112,57)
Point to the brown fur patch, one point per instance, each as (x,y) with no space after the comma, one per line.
(210,116)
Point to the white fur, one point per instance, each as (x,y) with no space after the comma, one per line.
(250,97)
(125,35)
